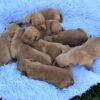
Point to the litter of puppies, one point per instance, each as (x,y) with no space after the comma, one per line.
(44,50)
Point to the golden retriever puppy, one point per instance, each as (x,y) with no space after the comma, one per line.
(73,37)
(50,13)
(81,55)
(19,50)
(53,27)
(52,49)
(30,35)
(35,19)
(10,30)
(57,76)
(5,43)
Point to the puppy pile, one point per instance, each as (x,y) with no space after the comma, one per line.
(44,50)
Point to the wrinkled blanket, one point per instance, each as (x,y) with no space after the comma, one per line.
(77,13)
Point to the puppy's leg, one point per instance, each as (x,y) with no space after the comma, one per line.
(89,62)
(89,66)
(5,56)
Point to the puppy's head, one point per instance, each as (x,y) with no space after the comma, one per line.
(38,20)
(35,19)
(10,30)
(30,34)
(52,14)
(64,60)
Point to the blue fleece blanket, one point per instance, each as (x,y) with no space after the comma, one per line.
(77,13)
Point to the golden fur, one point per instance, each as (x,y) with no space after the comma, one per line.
(50,13)
(53,27)
(73,37)
(5,43)
(10,30)
(30,35)
(52,49)
(35,19)
(20,50)
(81,55)
(48,73)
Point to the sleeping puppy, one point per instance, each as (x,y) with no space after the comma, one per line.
(5,43)
(57,76)
(53,27)
(30,34)
(73,37)
(52,49)
(50,13)
(19,50)
(81,55)
(34,19)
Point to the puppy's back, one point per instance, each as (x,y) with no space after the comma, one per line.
(73,37)
(50,13)
(51,74)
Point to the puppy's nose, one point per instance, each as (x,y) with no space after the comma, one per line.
(43,27)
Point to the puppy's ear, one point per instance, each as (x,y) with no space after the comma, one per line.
(81,30)
(61,17)
(36,38)
(38,35)
(55,27)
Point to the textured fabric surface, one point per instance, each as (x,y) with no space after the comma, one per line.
(77,13)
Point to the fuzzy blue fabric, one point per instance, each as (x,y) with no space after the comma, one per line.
(77,13)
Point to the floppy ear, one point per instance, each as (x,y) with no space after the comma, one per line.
(37,37)
(61,17)
(54,28)
(81,30)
